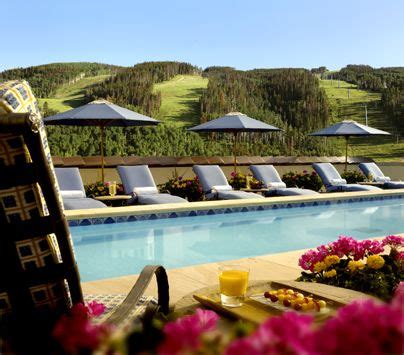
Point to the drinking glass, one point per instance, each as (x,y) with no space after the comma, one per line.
(112,188)
(233,282)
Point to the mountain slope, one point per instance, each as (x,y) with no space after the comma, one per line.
(180,99)
(353,108)
(68,96)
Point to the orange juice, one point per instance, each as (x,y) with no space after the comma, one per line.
(233,282)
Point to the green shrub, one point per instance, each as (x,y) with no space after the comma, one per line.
(189,189)
(352,177)
(304,180)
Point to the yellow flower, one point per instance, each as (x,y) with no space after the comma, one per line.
(100,188)
(375,262)
(331,260)
(355,265)
(331,273)
(320,266)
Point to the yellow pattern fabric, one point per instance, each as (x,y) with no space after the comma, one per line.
(21,203)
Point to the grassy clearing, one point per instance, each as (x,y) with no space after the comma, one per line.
(69,96)
(180,99)
(353,108)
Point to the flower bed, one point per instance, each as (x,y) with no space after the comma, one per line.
(239,181)
(189,189)
(304,180)
(357,265)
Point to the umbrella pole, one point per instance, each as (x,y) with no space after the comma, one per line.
(346,152)
(102,152)
(235,151)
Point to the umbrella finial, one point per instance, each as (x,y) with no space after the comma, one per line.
(233,113)
(99,101)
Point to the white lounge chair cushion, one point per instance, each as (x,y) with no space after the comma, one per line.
(338,182)
(276,185)
(382,179)
(72,194)
(222,188)
(146,190)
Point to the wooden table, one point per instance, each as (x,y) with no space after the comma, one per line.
(117,200)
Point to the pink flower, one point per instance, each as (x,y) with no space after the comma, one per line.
(95,309)
(184,335)
(200,189)
(179,178)
(367,247)
(393,241)
(344,246)
(233,174)
(76,333)
(304,171)
(189,183)
(366,326)
(290,333)
(398,299)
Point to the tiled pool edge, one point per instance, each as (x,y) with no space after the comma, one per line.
(139,213)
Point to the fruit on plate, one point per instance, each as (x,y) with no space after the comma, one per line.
(295,300)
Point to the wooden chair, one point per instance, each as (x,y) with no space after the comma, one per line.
(39,279)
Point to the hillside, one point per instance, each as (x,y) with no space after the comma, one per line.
(180,99)
(68,96)
(343,107)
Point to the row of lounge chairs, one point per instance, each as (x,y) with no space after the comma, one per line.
(139,183)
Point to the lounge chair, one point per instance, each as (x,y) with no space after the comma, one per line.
(276,187)
(371,169)
(138,181)
(334,183)
(39,279)
(215,185)
(72,190)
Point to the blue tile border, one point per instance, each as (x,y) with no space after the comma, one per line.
(212,211)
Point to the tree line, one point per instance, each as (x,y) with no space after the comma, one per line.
(45,79)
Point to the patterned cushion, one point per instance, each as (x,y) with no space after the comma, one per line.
(25,202)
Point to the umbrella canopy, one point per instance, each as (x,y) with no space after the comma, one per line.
(348,129)
(234,122)
(101,113)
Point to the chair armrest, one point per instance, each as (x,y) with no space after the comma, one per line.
(138,290)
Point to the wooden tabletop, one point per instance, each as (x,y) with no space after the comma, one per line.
(113,198)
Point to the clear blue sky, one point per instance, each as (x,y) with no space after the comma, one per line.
(244,34)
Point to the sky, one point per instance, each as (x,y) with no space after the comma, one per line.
(243,34)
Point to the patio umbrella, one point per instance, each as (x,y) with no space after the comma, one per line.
(103,114)
(234,122)
(348,129)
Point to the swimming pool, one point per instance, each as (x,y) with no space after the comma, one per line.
(112,250)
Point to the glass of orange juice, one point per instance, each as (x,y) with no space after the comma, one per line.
(233,282)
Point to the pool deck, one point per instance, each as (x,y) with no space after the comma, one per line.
(282,266)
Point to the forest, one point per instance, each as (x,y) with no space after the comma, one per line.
(45,79)
(291,99)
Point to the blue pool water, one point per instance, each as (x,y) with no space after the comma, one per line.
(112,250)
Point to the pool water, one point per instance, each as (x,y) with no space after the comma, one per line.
(112,250)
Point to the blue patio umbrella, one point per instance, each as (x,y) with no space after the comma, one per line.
(234,122)
(103,114)
(348,129)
